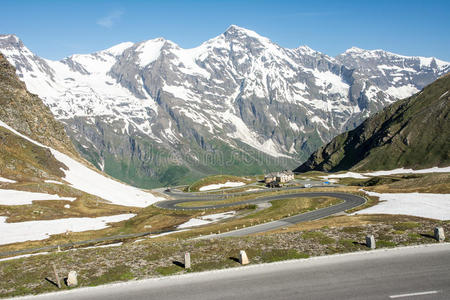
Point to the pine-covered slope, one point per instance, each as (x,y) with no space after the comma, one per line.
(413,133)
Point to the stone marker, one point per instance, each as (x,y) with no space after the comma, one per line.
(243,259)
(72,278)
(370,241)
(59,249)
(439,234)
(187,260)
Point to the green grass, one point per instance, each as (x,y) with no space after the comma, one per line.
(384,244)
(169,270)
(282,254)
(319,237)
(405,226)
(117,273)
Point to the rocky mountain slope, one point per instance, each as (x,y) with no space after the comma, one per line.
(37,158)
(152,113)
(27,114)
(412,133)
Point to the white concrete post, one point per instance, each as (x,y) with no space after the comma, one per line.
(439,234)
(72,279)
(187,260)
(243,259)
(370,241)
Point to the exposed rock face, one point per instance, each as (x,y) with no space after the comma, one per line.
(27,113)
(412,133)
(151,111)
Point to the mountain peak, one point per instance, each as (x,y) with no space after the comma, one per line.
(119,48)
(10,39)
(236,31)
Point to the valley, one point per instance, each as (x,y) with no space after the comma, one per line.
(121,163)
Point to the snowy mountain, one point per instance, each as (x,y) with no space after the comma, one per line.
(154,113)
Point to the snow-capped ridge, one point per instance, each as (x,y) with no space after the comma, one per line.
(424,61)
(118,49)
(9,36)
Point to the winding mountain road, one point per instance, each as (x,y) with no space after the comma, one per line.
(349,201)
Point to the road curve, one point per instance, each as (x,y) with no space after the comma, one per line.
(349,201)
(402,273)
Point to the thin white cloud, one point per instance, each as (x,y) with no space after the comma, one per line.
(109,20)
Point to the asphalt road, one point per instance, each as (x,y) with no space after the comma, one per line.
(402,273)
(350,201)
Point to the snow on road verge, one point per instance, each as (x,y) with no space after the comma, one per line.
(221,185)
(13,197)
(40,230)
(203,220)
(92,182)
(433,206)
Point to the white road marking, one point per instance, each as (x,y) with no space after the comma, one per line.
(414,294)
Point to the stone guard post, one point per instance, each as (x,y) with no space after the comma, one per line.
(439,234)
(187,260)
(370,241)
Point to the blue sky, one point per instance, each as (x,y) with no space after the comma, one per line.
(59,28)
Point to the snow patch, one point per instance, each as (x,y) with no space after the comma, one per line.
(89,181)
(402,92)
(53,181)
(433,206)
(149,51)
(345,175)
(40,230)
(409,171)
(203,220)
(221,185)
(2,179)
(13,197)
(104,246)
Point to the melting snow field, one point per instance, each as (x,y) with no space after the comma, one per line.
(40,230)
(345,175)
(13,197)
(390,172)
(433,206)
(409,171)
(207,219)
(92,182)
(221,185)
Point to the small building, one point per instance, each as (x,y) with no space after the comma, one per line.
(271,177)
(276,179)
(285,176)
